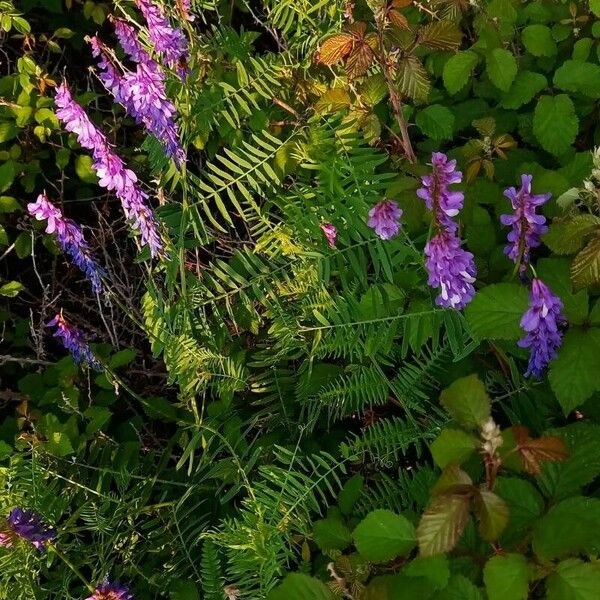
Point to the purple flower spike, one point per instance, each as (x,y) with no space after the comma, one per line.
(384,218)
(141,92)
(111,171)
(168,41)
(527,226)
(69,237)
(73,340)
(541,323)
(450,268)
(128,39)
(330,232)
(110,591)
(443,202)
(28,526)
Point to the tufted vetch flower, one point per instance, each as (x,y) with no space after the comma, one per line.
(140,91)
(74,341)
(111,591)
(384,218)
(439,198)
(111,171)
(167,40)
(26,525)
(330,233)
(527,226)
(450,268)
(69,237)
(541,323)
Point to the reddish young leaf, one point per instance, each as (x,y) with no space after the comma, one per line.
(360,60)
(451,477)
(401,3)
(398,19)
(535,451)
(335,48)
(442,524)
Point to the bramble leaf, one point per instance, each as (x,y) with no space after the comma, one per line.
(383,535)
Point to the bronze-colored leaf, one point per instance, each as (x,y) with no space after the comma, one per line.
(360,60)
(451,477)
(441,35)
(397,19)
(473,169)
(412,79)
(443,523)
(485,126)
(492,513)
(358,29)
(335,48)
(401,3)
(535,451)
(585,269)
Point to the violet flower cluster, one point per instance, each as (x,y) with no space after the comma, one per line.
(141,92)
(384,218)
(111,171)
(167,40)
(527,226)
(28,526)
(450,267)
(541,324)
(74,341)
(111,591)
(69,237)
(439,198)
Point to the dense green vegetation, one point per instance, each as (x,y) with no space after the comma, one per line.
(289,379)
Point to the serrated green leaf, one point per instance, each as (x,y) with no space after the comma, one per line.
(538,40)
(453,446)
(577,76)
(525,505)
(496,311)
(501,68)
(559,480)
(383,535)
(574,579)
(523,89)
(580,354)
(297,586)
(567,237)
(555,123)
(492,513)
(467,400)
(506,577)
(554,272)
(458,69)
(331,534)
(570,527)
(436,122)
(460,588)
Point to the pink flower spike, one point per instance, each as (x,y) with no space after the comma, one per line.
(330,232)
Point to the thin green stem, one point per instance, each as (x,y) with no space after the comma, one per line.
(71,566)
